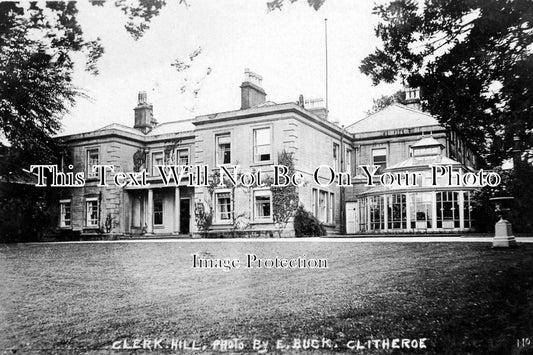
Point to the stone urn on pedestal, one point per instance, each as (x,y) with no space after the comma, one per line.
(503,232)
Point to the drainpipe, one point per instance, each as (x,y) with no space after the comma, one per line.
(342,204)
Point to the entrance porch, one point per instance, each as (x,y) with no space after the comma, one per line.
(161,211)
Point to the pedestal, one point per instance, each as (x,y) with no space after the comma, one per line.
(503,235)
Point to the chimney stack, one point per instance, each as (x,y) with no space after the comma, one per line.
(144,115)
(252,94)
(301,101)
(412,97)
(316,106)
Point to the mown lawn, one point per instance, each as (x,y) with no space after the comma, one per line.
(81,298)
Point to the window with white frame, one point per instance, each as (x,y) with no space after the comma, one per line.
(379,158)
(158,159)
(335,157)
(223,149)
(331,205)
(183,156)
(348,164)
(223,208)
(158,211)
(262,205)
(262,145)
(93,157)
(91,208)
(64,216)
(323,205)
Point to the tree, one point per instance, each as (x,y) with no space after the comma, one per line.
(36,46)
(386,100)
(278,4)
(471,59)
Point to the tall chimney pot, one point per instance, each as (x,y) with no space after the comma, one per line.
(412,97)
(144,114)
(252,94)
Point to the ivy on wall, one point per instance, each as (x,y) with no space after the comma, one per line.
(284,200)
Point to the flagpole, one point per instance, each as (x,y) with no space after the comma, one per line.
(326,44)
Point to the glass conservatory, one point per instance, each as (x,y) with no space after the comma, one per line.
(422,207)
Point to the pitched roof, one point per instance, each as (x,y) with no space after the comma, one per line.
(395,116)
(427,142)
(121,127)
(21,177)
(163,128)
(172,127)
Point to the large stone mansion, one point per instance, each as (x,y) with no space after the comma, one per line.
(399,138)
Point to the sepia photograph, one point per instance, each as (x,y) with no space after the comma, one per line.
(266,177)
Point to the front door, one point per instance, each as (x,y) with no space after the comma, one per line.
(185,215)
(352,213)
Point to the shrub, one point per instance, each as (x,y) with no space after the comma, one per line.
(204,219)
(306,225)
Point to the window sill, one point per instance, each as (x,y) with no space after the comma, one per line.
(222,223)
(159,226)
(262,163)
(64,227)
(228,166)
(262,221)
(91,227)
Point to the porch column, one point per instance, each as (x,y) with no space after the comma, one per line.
(150,212)
(461,203)
(177,210)
(433,210)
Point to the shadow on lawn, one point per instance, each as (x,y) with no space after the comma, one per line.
(492,308)
(466,309)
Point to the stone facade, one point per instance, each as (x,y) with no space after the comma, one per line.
(251,138)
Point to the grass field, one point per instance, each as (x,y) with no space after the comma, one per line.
(81,298)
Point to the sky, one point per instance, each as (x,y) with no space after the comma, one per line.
(287,48)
